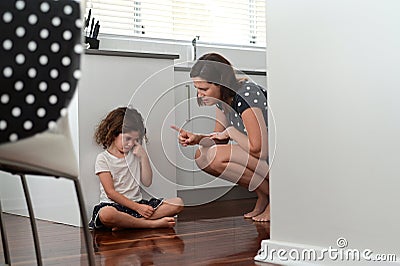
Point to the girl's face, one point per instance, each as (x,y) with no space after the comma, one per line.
(209,93)
(126,141)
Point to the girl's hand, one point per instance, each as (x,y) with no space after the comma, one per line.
(145,210)
(138,150)
(186,138)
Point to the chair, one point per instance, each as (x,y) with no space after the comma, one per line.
(40,47)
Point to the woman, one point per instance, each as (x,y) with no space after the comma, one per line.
(241,116)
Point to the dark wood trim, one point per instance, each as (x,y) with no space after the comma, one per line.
(247,72)
(131,54)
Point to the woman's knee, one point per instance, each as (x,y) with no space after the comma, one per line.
(197,154)
(209,161)
(201,157)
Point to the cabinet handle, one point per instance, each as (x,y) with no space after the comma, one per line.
(188,102)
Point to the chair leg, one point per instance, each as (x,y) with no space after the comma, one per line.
(4,238)
(82,210)
(32,219)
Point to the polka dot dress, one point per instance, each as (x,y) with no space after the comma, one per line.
(248,96)
(39,64)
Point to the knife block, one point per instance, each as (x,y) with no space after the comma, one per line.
(94,43)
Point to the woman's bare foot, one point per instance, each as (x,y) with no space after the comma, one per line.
(264,216)
(165,222)
(252,214)
(261,204)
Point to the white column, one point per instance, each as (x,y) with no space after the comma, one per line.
(334,84)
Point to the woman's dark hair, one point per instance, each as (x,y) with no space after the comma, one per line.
(216,69)
(119,120)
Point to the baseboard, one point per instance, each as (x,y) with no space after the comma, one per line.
(59,212)
(238,192)
(199,196)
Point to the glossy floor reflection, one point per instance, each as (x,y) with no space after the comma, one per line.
(137,247)
(204,235)
(212,234)
(231,240)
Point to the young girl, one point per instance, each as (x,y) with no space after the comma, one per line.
(121,167)
(241,116)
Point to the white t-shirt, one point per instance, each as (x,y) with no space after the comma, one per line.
(125,173)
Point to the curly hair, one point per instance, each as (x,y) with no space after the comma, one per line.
(119,120)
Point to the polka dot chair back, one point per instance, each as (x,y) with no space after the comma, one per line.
(40,47)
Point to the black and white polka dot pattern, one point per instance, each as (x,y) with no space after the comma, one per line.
(40,47)
(248,96)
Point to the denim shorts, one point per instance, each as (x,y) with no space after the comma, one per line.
(95,222)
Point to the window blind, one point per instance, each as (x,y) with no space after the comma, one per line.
(235,22)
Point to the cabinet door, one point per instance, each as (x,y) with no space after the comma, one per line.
(190,116)
(112,81)
(184,155)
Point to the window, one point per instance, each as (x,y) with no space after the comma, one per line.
(235,22)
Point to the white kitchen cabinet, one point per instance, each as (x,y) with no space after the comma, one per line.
(144,81)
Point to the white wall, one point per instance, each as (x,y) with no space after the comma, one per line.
(109,82)
(333,79)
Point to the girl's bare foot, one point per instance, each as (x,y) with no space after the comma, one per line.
(165,222)
(264,216)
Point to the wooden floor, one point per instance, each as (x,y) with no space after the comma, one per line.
(212,234)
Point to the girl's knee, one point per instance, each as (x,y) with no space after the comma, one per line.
(179,205)
(178,201)
(176,204)
(107,214)
(178,208)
